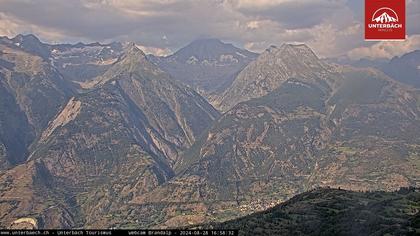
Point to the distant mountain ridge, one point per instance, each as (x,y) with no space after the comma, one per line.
(404,68)
(207,65)
(77,62)
(211,50)
(274,66)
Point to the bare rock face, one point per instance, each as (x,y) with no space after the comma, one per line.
(176,115)
(24,223)
(69,113)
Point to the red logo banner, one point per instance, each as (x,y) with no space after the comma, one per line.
(384,19)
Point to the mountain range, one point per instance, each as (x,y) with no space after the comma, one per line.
(132,118)
(309,125)
(405,68)
(207,65)
(105,136)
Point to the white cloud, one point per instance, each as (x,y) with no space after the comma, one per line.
(386,49)
(8,26)
(330,27)
(253,24)
(252,4)
(11,26)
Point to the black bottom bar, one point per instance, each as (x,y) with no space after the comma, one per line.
(165,232)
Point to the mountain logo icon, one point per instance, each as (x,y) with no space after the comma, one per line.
(385,20)
(385,15)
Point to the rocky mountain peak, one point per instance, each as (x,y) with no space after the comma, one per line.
(132,61)
(133,56)
(301,49)
(273,67)
(26,38)
(209,49)
(208,65)
(30,43)
(133,51)
(288,51)
(207,44)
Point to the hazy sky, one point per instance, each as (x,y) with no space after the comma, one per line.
(330,27)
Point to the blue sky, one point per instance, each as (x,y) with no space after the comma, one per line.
(330,27)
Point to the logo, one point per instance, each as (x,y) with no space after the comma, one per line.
(384,19)
(385,15)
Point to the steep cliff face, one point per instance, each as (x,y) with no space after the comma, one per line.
(116,140)
(32,92)
(100,145)
(176,115)
(15,131)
